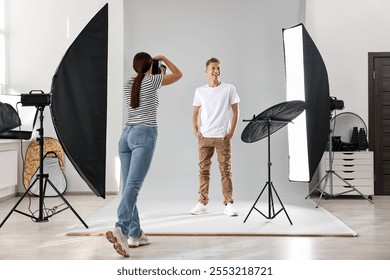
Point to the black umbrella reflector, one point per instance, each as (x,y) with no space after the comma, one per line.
(307,80)
(79,102)
(275,117)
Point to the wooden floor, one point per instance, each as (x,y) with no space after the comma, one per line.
(23,239)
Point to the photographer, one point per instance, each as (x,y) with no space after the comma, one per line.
(136,146)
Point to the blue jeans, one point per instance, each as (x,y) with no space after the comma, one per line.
(136,149)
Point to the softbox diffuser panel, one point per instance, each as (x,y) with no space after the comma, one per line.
(306,79)
(79,102)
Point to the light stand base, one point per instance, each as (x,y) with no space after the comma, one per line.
(327,178)
(43,180)
(43,217)
(271,207)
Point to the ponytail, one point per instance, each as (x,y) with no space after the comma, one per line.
(141,64)
(135,90)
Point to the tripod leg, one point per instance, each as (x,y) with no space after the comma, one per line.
(280,201)
(353,187)
(254,204)
(271,207)
(67,203)
(17,203)
(13,209)
(42,216)
(322,189)
(318,184)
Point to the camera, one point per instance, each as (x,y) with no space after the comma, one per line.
(156,67)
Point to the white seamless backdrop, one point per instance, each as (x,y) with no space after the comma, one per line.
(247,37)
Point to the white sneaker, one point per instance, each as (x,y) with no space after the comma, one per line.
(230,210)
(138,241)
(199,209)
(119,241)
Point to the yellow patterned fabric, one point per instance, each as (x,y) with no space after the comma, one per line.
(51,148)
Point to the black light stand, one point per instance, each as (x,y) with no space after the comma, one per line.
(269,185)
(263,125)
(328,177)
(43,180)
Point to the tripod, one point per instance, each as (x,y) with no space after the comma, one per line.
(269,185)
(43,180)
(328,177)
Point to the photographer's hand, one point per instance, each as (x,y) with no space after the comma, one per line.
(172,77)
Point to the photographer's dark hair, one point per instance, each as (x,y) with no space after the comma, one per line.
(141,64)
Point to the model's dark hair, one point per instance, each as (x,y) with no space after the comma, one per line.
(211,60)
(141,64)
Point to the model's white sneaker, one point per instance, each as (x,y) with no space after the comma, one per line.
(199,209)
(138,241)
(119,241)
(230,210)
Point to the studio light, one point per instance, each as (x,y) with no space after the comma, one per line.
(307,80)
(336,104)
(78,104)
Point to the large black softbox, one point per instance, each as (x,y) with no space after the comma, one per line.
(307,80)
(79,102)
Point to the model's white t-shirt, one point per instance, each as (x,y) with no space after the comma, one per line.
(215,111)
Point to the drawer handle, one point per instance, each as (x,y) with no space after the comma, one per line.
(348,165)
(348,171)
(348,159)
(348,179)
(348,153)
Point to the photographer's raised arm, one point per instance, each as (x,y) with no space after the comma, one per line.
(175,74)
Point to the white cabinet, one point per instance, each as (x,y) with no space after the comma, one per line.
(354,167)
(8,172)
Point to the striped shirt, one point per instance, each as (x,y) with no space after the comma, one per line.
(146,112)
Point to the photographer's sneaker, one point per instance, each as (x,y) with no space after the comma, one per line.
(134,242)
(230,210)
(119,241)
(199,209)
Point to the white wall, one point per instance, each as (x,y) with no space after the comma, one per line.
(247,37)
(39,33)
(344,32)
(189,33)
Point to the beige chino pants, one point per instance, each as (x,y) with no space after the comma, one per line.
(206,148)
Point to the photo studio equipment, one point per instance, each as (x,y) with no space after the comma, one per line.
(40,100)
(156,67)
(330,173)
(349,132)
(78,106)
(307,79)
(262,126)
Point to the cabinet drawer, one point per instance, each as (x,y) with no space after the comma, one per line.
(354,182)
(366,190)
(355,174)
(351,167)
(350,161)
(350,155)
